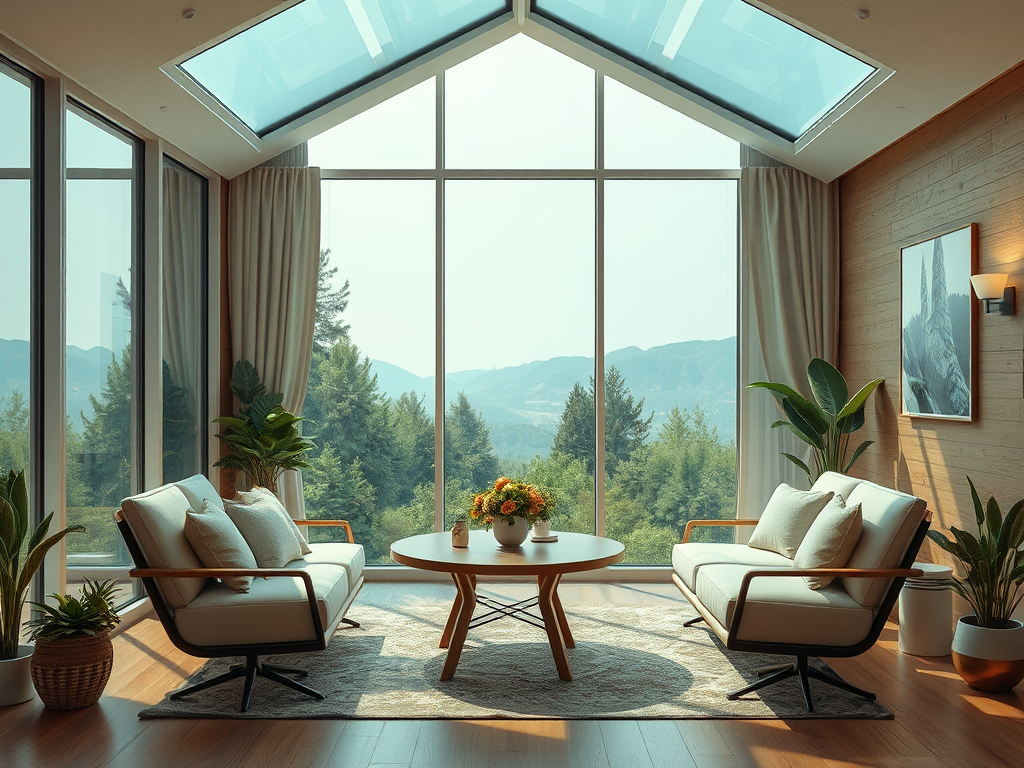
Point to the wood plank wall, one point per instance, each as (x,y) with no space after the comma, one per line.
(966,165)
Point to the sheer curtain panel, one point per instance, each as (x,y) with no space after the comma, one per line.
(273,263)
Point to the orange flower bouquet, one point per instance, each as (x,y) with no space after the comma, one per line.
(509,499)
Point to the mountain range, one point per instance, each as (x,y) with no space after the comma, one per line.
(522,404)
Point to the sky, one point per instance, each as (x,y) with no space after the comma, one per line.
(519,279)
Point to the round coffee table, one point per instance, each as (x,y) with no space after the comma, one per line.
(573,552)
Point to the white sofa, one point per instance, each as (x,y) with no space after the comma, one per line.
(756,600)
(292,609)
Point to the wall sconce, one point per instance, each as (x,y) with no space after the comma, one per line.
(997,295)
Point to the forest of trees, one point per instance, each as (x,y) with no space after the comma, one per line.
(374,461)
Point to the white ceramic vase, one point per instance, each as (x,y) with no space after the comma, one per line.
(989,659)
(510,535)
(16,678)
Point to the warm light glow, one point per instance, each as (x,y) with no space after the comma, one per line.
(989,286)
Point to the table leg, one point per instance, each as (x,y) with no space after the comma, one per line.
(562,623)
(446,636)
(547,586)
(458,638)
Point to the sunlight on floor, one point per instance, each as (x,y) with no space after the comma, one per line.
(994,706)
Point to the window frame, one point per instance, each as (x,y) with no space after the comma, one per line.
(599,175)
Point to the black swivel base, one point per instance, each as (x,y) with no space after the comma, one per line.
(803,672)
(252,669)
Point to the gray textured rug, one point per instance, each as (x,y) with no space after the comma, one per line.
(629,662)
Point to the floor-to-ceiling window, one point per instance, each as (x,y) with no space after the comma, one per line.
(101,299)
(17,246)
(185,322)
(560,251)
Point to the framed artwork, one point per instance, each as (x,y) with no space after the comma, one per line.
(938,317)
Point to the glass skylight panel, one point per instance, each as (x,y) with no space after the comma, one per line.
(317,50)
(732,53)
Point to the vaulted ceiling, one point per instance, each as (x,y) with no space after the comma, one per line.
(941,50)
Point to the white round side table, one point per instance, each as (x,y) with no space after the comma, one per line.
(926,612)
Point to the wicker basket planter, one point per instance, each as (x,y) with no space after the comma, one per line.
(71,673)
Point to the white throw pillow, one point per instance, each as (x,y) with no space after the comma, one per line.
(267,530)
(785,520)
(830,540)
(219,544)
(268,497)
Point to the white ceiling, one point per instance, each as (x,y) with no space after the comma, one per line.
(941,50)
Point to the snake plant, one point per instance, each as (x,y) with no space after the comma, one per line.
(993,564)
(826,422)
(21,553)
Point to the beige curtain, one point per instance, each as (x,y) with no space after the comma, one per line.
(273,262)
(789,262)
(182,313)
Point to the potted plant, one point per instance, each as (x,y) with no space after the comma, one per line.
(511,507)
(826,422)
(21,553)
(74,655)
(263,439)
(988,647)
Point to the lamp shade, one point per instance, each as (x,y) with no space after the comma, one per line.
(989,286)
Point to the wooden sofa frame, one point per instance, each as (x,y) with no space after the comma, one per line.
(253,666)
(800,668)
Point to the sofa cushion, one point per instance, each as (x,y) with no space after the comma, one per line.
(267,531)
(688,558)
(157,520)
(198,489)
(268,497)
(218,543)
(350,556)
(830,540)
(785,520)
(890,520)
(275,610)
(783,610)
(837,483)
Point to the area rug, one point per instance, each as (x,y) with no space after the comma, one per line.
(629,662)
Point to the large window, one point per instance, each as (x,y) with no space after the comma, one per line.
(17,217)
(101,241)
(563,258)
(185,323)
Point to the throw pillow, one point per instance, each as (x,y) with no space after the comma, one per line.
(785,520)
(269,497)
(266,530)
(218,543)
(830,540)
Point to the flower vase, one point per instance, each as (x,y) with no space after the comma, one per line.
(512,533)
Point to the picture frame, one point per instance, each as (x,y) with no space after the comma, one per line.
(938,326)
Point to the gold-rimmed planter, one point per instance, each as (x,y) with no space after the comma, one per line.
(990,660)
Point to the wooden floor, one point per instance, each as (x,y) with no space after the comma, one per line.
(939,721)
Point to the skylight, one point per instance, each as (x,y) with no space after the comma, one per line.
(731,53)
(318,50)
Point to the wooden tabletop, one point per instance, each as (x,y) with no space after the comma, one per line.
(572,552)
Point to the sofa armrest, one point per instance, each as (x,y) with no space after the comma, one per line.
(732,523)
(220,573)
(846,573)
(330,523)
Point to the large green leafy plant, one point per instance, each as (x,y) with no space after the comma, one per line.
(88,615)
(992,562)
(826,422)
(21,554)
(263,439)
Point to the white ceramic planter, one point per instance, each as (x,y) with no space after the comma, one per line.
(542,529)
(510,535)
(16,678)
(989,659)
